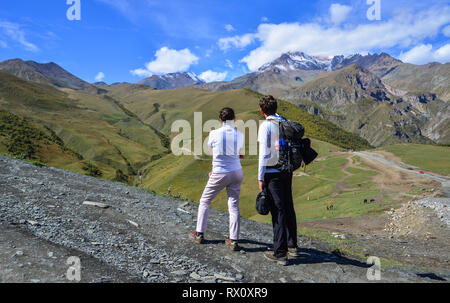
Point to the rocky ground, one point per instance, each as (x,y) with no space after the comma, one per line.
(141,237)
(422,218)
(413,235)
(440,205)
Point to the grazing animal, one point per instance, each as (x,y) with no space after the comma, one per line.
(329,204)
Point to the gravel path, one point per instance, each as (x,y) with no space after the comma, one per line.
(143,237)
(27,258)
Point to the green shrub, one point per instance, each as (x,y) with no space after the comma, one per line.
(92,170)
(40,164)
(121,177)
(23,137)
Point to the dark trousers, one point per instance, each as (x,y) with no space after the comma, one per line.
(284,221)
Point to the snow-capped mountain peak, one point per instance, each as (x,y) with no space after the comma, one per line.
(172,80)
(194,77)
(298,61)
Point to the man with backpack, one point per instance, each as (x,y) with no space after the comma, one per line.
(278,158)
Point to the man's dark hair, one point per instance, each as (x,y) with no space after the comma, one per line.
(268,105)
(226,113)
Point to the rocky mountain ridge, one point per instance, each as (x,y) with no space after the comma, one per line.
(47,73)
(359,101)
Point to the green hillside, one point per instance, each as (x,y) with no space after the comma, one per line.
(94,126)
(22,139)
(432,158)
(123,137)
(160,108)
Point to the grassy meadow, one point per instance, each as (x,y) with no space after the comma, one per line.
(434,158)
(327,179)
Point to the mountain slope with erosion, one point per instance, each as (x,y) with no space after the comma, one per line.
(359,101)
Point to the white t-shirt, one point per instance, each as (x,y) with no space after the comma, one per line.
(268,142)
(226,143)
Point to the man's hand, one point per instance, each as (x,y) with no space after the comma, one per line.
(261,185)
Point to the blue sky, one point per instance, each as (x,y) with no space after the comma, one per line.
(126,40)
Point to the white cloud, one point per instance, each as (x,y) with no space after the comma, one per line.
(140,72)
(417,55)
(14,32)
(100,76)
(401,31)
(229,63)
(264,19)
(167,61)
(446,31)
(236,41)
(443,54)
(229,28)
(210,76)
(339,13)
(424,53)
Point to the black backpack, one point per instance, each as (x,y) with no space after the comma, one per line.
(307,152)
(293,149)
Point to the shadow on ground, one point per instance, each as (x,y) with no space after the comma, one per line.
(307,255)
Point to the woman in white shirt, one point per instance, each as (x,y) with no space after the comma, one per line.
(224,144)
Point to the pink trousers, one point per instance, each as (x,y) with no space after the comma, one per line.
(217,182)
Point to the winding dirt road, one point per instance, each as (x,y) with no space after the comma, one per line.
(443,180)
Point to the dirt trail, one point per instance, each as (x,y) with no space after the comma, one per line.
(445,181)
(341,185)
(396,184)
(45,205)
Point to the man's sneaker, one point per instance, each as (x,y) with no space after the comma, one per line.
(232,244)
(280,260)
(292,252)
(197,237)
